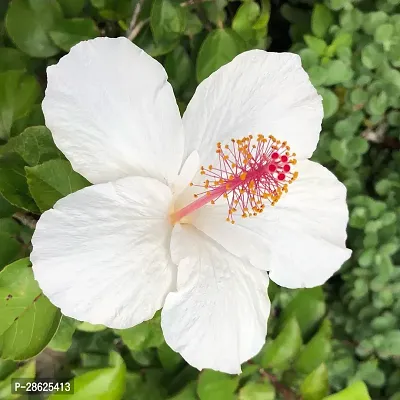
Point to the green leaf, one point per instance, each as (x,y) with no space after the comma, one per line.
(316,44)
(318,75)
(330,102)
(321,20)
(337,72)
(143,336)
(219,47)
(343,40)
(7,367)
(215,385)
(262,22)
(308,307)
(13,185)
(372,55)
(378,104)
(309,58)
(70,32)
(28,23)
(9,249)
(373,20)
(390,347)
(188,393)
(351,20)
(12,59)
(6,209)
(356,391)
(18,93)
(257,391)
(72,8)
(87,327)
(315,386)
(384,33)
(35,145)
(168,358)
(28,319)
(316,351)
(101,384)
(34,117)
(62,340)
(179,68)
(147,385)
(26,372)
(244,19)
(51,181)
(193,24)
(358,145)
(337,4)
(168,20)
(279,354)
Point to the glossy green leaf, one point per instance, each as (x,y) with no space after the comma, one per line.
(219,47)
(315,386)
(168,20)
(87,327)
(18,93)
(169,359)
(29,22)
(70,32)
(13,184)
(9,249)
(316,44)
(372,55)
(337,72)
(62,340)
(26,372)
(316,351)
(147,385)
(308,307)
(215,385)
(257,391)
(281,351)
(143,336)
(356,391)
(188,393)
(330,102)
(6,209)
(72,8)
(179,68)
(245,18)
(35,145)
(51,181)
(321,20)
(28,319)
(100,384)
(193,24)
(12,59)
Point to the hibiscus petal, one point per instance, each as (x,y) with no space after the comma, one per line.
(218,317)
(259,93)
(301,240)
(113,113)
(102,254)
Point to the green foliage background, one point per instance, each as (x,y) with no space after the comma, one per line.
(338,342)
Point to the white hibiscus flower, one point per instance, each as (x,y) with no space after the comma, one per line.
(137,241)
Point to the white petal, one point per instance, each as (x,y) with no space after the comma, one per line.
(102,254)
(218,317)
(189,169)
(113,113)
(258,92)
(301,240)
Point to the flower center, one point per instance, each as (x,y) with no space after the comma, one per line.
(250,172)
